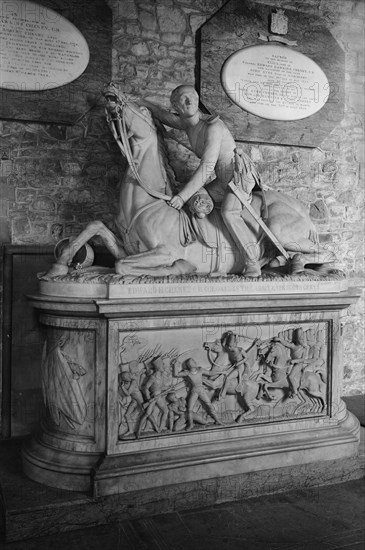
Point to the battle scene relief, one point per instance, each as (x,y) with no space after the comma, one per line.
(193,379)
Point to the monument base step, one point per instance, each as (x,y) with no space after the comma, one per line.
(33,510)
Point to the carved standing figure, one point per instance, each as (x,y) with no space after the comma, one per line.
(238,359)
(194,374)
(155,391)
(128,387)
(298,349)
(62,392)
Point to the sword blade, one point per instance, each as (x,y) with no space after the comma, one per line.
(258,218)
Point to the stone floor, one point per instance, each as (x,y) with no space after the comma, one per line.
(330,517)
(327,517)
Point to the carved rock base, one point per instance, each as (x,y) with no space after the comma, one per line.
(143,394)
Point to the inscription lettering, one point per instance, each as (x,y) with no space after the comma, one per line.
(275,82)
(40,49)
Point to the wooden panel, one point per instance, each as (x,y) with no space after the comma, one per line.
(22,337)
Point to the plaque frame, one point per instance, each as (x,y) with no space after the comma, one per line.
(67,104)
(237,25)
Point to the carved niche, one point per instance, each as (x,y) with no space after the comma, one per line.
(68,371)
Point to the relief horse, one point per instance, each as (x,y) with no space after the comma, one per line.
(151,237)
(293,377)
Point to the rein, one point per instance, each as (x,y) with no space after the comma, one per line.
(120,133)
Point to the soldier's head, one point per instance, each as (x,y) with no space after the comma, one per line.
(191,364)
(185,100)
(158,363)
(126,376)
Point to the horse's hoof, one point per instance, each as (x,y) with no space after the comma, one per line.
(252,273)
(297,264)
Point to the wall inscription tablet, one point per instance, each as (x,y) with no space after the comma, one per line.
(39,48)
(286,88)
(55,58)
(275,82)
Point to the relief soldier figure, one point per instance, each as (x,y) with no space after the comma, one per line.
(194,375)
(155,393)
(129,387)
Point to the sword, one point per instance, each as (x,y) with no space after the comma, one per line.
(240,195)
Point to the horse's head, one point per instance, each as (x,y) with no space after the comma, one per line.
(276,354)
(215,346)
(136,134)
(123,112)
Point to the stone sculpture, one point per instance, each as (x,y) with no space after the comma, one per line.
(62,392)
(171,394)
(194,374)
(157,237)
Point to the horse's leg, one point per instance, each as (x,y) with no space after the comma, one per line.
(318,395)
(314,401)
(323,260)
(157,262)
(271,385)
(301,396)
(291,236)
(294,379)
(252,403)
(95,228)
(214,384)
(229,377)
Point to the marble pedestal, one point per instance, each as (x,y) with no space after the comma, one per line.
(107,429)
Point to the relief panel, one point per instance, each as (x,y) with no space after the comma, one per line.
(189,379)
(68,370)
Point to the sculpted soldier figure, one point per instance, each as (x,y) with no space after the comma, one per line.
(239,361)
(194,374)
(213,143)
(152,234)
(155,396)
(128,387)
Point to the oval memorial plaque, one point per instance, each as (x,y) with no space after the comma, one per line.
(39,48)
(275,82)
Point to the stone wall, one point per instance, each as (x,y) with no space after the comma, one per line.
(54,179)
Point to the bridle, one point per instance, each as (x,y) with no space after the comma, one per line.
(118,127)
